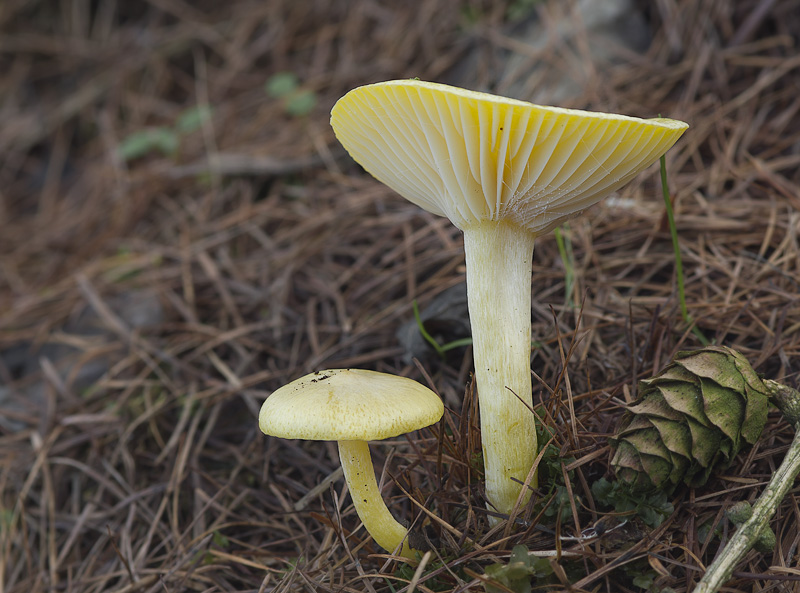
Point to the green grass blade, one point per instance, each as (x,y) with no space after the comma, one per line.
(677,250)
(428,338)
(564,243)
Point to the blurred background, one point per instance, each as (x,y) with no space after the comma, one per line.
(180,234)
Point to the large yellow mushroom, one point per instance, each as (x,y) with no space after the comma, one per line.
(504,172)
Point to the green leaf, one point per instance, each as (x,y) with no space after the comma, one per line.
(220,540)
(519,553)
(644,581)
(517,574)
(755,415)
(676,248)
(652,507)
(564,243)
(684,398)
(6,518)
(724,408)
(193,119)
(300,103)
(713,363)
(655,404)
(281,84)
(602,490)
(705,443)
(560,507)
(423,332)
(704,532)
(144,142)
(675,436)
(520,9)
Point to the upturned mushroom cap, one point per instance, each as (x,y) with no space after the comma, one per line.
(474,157)
(349,405)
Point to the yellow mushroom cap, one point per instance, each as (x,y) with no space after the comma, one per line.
(349,405)
(473,156)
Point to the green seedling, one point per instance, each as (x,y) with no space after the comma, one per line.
(297,101)
(193,119)
(516,576)
(165,140)
(678,261)
(708,531)
(521,9)
(646,580)
(644,577)
(221,540)
(564,243)
(641,575)
(652,507)
(441,349)
(559,505)
(139,144)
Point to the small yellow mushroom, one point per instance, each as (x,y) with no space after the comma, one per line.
(353,406)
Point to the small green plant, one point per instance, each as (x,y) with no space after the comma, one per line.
(550,467)
(705,532)
(441,349)
(641,575)
(560,505)
(690,420)
(645,581)
(297,101)
(652,507)
(555,502)
(521,9)
(676,247)
(165,140)
(6,519)
(221,540)
(138,144)
(564,243)
(517,574)
(292,564)
(193,119)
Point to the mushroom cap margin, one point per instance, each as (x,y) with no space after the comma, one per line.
(474,156)
(349,404)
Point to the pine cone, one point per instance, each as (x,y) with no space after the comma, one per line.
(690,420)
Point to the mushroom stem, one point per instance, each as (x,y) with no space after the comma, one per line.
(499,257)
(377,520)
